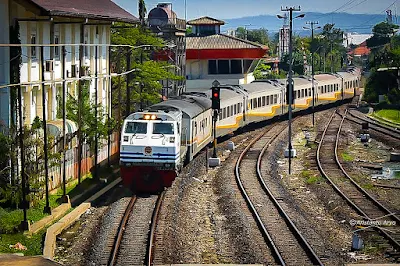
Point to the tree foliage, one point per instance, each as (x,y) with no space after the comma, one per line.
(385,52)
(145,80)
(91,124)
(382,34)
(257,35)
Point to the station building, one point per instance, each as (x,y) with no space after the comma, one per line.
(212,55)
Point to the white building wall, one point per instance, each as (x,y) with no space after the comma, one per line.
(5,70)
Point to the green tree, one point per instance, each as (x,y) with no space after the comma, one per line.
(91,124)
(145,80)
(264,71)
(382,34)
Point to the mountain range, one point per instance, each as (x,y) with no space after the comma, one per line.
(354,23)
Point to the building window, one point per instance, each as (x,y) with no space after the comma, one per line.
(212,67)
(56,48)
(236,67)
(223,67)
(33,48)
(247,63)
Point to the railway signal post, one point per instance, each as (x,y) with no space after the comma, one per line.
(215,105)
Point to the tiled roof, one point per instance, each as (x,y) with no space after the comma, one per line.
(95,9)
(220,41)
(205,21)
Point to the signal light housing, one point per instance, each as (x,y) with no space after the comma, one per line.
(215,98)
(287,94)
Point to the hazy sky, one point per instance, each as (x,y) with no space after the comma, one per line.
(239,8)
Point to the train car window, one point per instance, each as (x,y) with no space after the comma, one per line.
(163,128)
(224,113)
(302,93)
(259,102)
(275,98)
(220,115)
(267,100)
(263,101)
(136,128)
(309,91)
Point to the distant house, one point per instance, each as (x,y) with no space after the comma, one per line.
(56,22)
(212,55)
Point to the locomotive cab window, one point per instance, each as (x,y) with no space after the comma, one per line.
(136,128)
(163,128)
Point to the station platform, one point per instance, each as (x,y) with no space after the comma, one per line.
(15,260)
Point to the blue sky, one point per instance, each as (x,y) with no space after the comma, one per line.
(224,9)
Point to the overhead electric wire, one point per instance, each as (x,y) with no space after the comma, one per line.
(67,79)
(338,9)
(369,20)
(355,5)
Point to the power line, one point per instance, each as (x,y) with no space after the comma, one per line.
(346,4)
(355,5)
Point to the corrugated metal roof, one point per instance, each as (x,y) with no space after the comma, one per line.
(220,41)
(205,21)
(95,9)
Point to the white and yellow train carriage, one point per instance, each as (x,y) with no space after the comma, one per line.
(196,125)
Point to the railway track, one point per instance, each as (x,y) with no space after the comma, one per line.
(370,209)
(380,128)
(134,241)
(287,244)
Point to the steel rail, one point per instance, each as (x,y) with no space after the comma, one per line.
(301,240)
(152,233)
(121,228)
(376,126)
(268,239)
(395,243)
(296,232)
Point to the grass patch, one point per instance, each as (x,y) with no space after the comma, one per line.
(389,114)
(10,219)
(33,244)
(310,178)
(396,174)
(347,157)
(313,179)
(368,186)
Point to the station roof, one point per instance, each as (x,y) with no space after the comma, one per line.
(93,9)
(222,46)
(205,21)
(220,41)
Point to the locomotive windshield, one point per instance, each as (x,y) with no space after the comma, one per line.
(136,128)
(163,128)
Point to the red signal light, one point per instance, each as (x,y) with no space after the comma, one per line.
(215,95)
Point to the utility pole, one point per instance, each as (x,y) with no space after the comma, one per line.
(128,80)
(25,223)
(64,171)
(44,106)
(290,79)
(312,24)
(96,136)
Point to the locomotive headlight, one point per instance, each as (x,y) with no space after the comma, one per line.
(153,117)
(126,138)
(172,140)
(147,117)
